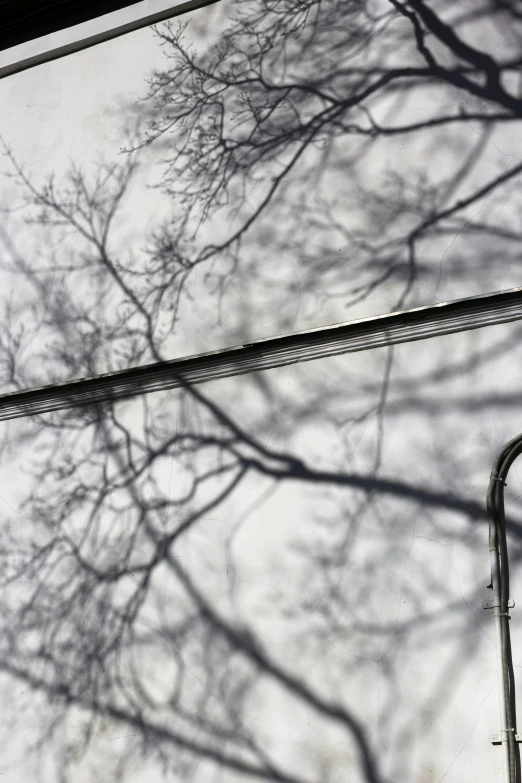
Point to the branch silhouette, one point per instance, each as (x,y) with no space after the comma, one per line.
(128,595)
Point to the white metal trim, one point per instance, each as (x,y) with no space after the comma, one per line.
(420,323)
(97,30)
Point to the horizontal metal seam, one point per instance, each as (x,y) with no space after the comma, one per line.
(367,334)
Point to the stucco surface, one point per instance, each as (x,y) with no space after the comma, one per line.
(277,576)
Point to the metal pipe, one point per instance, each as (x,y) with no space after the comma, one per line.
(501,602)
(503,696)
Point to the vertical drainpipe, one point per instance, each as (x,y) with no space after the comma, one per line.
(500,605)
(495,582)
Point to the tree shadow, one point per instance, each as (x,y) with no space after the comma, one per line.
(273,577)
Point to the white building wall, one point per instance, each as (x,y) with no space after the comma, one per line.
(343,255)
(329,602)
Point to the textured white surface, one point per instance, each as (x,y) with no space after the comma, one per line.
(363,604)
(82,110)
(372,602)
